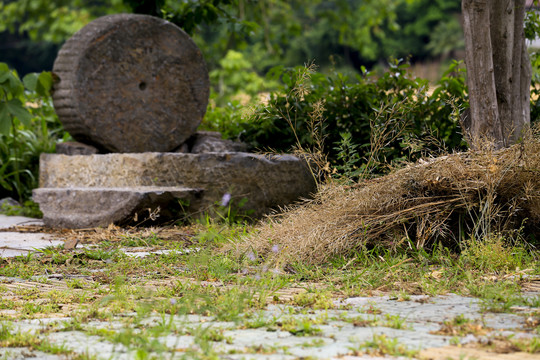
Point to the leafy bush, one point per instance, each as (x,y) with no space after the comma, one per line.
(236,86)
(226,119)
(28,127)
(383,119)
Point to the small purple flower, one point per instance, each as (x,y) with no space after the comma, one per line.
(173,301)
(225,199)
(251,256)
(257,277)
(275,249)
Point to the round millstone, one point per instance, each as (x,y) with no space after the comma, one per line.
(131,83)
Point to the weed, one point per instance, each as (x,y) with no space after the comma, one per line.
(314,343)
(461,326)
(11,338)
(494,253)
(264,349)
(28,209)
(211,334)
(528,345)
(299,327)
(372,309)
(316,300)
(381,345)
(395,322)
(134,241)
(499,296)
(360,321)
(76,284)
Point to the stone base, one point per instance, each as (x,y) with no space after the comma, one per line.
(95,190)
(79,207)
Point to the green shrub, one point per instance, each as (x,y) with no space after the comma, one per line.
(28,127)
(227,119)
(400,110)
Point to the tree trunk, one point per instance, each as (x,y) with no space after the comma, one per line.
(498,70)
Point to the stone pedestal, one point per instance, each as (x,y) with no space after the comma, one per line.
(80,191)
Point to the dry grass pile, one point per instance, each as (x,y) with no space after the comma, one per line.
(446,199)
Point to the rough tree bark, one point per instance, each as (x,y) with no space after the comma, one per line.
(498,70)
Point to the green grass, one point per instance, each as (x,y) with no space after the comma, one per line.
(213,283)
(381,345)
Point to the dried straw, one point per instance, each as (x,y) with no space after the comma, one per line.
(444,199)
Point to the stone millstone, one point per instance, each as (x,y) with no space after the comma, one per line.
(131,83)
(83,207)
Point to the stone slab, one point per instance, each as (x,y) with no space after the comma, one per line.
(335,340)
(14,244)
(10,221)
(86,207)
(264,182)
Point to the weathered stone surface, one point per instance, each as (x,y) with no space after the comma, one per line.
(266,182)
(82,207)
(210,141)
(131,83)
(75,148)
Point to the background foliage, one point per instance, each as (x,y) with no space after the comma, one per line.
(387,118)
(28,127)
(359,118)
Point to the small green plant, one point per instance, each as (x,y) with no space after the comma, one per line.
(315,300)
(494,253)
(212,334)
(137,241)
(460,326)
(348,157)
(28,127)
(28,208)
(12,338)
(314,343)
(381,345)
(299,327)
(395,322)
(531,346)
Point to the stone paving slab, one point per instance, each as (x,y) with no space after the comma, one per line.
(10,221)
(15,244)
(336,338)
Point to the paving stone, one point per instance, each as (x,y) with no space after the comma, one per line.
(335,340)
(10,221)
(27,354)
(14,243)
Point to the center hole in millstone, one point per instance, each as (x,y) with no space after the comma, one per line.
(142,85)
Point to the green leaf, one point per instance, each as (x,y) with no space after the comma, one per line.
(5,119)
(3,68)
(15,108)
(11,83)
(45,83)
(30,81)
